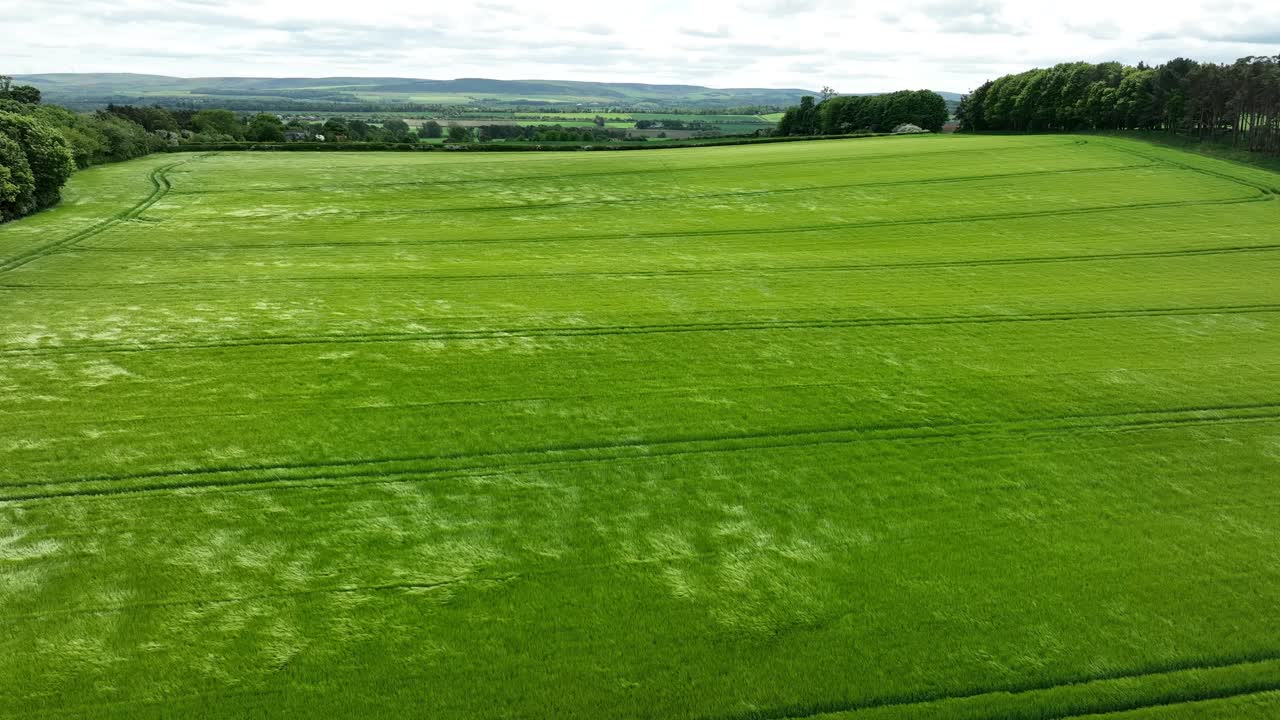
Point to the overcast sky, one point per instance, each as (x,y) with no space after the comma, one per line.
(853,46)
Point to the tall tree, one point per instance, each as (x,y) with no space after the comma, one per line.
(878,113)
(457,133)
(217,122)
(25,94)
(396,129)
(1240,101)
(265,127)
(17,185)
(46,152)
(333,127)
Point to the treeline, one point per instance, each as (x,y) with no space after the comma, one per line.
(223,126)
(35,157)
(675,124)
(664,109)
(537,133)
(42,144)
(1238,101)
(844,114)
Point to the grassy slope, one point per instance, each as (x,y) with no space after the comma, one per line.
(900,427)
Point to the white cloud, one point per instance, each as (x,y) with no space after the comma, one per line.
(941,44)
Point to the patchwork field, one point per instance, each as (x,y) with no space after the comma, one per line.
(887,428)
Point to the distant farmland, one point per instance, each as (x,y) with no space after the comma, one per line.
(91,90)
(912,427)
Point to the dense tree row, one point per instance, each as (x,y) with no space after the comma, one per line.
(576,109)
(34,163)
(841,114)
(538,133)
(676,124)
(1239,101)
(35,159)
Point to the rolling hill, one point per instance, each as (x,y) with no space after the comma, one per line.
(96,89)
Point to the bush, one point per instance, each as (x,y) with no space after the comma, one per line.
(46,152)
(17,185)
(98,138)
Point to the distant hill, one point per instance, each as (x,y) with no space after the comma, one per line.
(91,90)
(95,89)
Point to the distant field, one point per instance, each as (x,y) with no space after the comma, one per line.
(571,116)
(928,427)
(727,124)
(243,93)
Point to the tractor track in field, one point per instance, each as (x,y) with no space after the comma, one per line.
(1192,697)
(609,173)
(287,406)
(691,272)
(1063,212)
(434,467)
(1258,671)
(668,199)
(1106,705)
(746,194)
(620,330)
(292,404)
(160,186)
(1273,189)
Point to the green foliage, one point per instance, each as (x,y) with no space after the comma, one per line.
(26,94)
(457,133)
(47,155)
(548,133)
(800,120)
(844,114)
(20,94)
(265,127)
(361,131)
(1240,101)
(430,129)
(671,123)
(217,123)
(99,138)
(396,130)
(17,185)
(333,127)
(124,140)
(150,118)
(54,141)
(882,113)
(925,427)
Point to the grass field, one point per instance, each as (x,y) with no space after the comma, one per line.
(949,426)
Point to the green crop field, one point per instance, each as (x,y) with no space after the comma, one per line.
(947,426)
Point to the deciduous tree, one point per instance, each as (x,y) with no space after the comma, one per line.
(46,152)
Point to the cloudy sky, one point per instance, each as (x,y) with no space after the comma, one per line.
(852,46)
